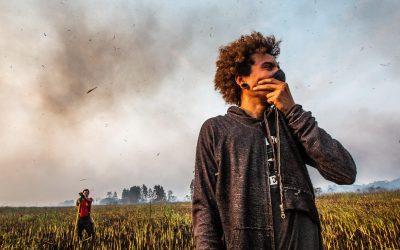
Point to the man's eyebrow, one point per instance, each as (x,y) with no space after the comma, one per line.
(269,64)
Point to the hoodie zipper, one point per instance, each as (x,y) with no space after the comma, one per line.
(269,214)
(277,155)
(278,145)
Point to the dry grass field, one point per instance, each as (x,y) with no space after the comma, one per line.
(349,221)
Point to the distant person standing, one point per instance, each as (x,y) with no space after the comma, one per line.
(84,220)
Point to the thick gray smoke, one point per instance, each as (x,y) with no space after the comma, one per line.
(128,54)
(107,95)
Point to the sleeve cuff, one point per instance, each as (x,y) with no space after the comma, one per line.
(295,109)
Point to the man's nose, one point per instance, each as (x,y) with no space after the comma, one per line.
(279,75)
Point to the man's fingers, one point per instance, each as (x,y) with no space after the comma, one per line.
(270,95)
(264,87)
(271,99)
(269,81)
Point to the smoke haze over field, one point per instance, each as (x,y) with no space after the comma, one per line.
(150,66)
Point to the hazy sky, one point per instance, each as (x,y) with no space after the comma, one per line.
(153,63)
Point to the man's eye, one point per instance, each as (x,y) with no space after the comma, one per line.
(268,67)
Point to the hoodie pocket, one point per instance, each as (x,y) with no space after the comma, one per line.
(300,200)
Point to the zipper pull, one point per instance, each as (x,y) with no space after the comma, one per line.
(283,216)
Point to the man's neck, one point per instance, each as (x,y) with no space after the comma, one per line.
(253,107)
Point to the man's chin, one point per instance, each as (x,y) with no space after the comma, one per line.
(263,99)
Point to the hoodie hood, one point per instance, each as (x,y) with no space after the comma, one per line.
(240,115)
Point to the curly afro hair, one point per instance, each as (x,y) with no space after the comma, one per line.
(235,59)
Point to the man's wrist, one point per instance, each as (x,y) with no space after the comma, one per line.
(287,111)
(292,111)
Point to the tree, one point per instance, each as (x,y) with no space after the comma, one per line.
(171,197)
(124,196)
(150,194)
(134,194)
(109,194)
(159,193)
(115,196)
(144,192)
(318,191)
(110,199)
(188,198)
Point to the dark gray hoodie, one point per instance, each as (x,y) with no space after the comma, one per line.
(232,205)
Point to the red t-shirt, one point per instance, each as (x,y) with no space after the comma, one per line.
(84,207)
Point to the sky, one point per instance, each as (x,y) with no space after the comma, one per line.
(151,66)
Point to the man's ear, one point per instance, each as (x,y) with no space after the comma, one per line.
(239,80)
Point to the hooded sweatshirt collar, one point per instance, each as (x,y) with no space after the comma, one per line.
(240,115)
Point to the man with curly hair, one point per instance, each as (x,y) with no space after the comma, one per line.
(252,189)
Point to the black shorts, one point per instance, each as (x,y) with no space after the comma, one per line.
(85,223)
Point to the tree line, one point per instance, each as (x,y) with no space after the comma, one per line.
(137,194)
(140,194)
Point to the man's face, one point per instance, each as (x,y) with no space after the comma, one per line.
(265,66)
(85,193)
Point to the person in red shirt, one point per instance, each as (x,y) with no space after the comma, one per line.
(84,221)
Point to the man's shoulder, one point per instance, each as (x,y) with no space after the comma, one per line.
(80,199)
(215,123)
(220,120)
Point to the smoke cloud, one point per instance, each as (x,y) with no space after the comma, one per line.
(115,93)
